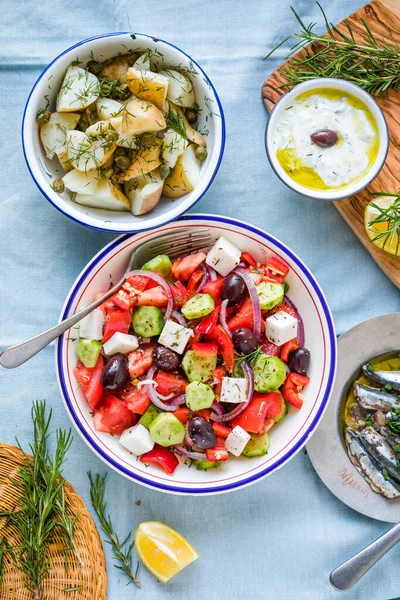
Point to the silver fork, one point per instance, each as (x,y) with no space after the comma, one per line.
(173,244)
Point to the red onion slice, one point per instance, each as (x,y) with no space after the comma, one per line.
(203,281)
(194,455)
(254,299)
(154,397)
(161,281)
(178,400)
(248,371)
(211,272)
(216,406)
(222,317)
(180,318)
(300,324)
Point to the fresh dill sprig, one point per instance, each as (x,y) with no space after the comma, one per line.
(122,550)
(176,122)
(371,63)
(390,216)
(41,509)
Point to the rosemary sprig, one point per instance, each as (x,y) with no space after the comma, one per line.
(390,216)
(248,357)
(371,63)
(3,548)
(41,508)
(122,550)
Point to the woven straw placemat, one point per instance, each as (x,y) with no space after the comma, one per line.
(87,568)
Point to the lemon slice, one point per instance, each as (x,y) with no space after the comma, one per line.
(391,244)
(163,551)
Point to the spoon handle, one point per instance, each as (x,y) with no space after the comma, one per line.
(345,576)
(20,353)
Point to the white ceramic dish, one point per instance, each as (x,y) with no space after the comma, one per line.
(326,450)
(43,171)
(337,84)
(286,439)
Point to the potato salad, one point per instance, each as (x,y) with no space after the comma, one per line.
(124,133)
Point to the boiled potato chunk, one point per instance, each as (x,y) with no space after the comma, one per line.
(86,153)
(141,116)
(145,160)
(144,192)
(180,89)
(184,175)
(192,134)
(107,108)
(63,158)
(115,68)
(147,85)
(107,196)
(81,183)
(173,146)
(126,140)
(79,89)
(143,62)
(52,134)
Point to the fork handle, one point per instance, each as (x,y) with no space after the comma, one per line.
(20,353)
(351,571)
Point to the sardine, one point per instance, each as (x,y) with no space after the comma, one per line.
(380,451)
(373,399)
(391,378)
(367,468)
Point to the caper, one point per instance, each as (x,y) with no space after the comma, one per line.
(43,116)
(108,172)
(200,153)
(95,67)
(165,170)
(148,139)
(191,115)
(122,92)
(58,186)
(111,136)
(122,162)
(131,59)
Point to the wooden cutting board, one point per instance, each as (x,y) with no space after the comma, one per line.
(383,18)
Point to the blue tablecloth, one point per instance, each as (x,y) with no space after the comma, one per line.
(280,538)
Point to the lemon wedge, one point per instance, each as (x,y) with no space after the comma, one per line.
(163,551)
(390,242)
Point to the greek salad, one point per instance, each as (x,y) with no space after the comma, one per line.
(195,358)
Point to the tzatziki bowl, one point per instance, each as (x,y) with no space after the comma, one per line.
(327,139)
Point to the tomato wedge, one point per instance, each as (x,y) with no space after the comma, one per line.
(179,292)
(194,281)
(116,320)
(208,322)
(83,375)
(218,374)
(214,288)
(270,349)
(253,417)
(162,457)
(219,335)
(170,383)
(156,296)
(244,316)
(204,349)
(182,414)
(140,361)
(137,400)
(217,454)
(183,268)
(221,430)
(113,416)
(94,389)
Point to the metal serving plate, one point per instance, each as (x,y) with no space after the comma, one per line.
(326,448)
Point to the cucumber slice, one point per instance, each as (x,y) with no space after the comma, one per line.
(258,445)
(89,352)
(270,294)
(199,395)
(149,415)
(269,373)
(204,465)
(198,368)
(148,321)
(167,430)
(160,264)
(198,306)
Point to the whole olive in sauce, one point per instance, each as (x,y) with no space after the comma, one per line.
(234,289)
(299,360)
(165,359)
(324,138)
(244,340)
(202,433)
(115,373)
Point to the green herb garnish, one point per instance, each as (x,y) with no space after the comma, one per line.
(390,216)
(385,474)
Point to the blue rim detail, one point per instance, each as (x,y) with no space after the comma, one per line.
(267,470)
(168,219)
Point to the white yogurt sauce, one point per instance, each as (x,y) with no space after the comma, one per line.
(349,158)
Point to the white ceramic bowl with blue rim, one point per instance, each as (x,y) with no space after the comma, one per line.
(211,123)
(287,438)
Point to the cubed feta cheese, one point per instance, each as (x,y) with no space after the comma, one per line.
(281,328)
(91,327)
(223,256)
(234,390)
(120,342)
(175,336)
(237,440)
(137,440)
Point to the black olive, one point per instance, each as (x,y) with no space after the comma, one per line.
(202,433)
(244,340)
(324,138)
(234,289)
(115,373)
(299,360)
(165,359)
